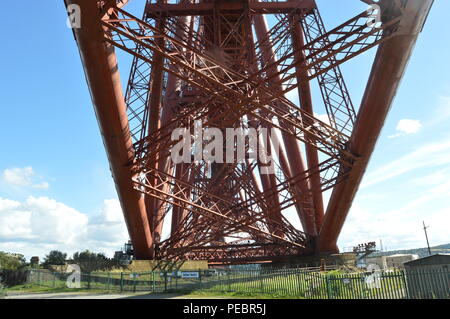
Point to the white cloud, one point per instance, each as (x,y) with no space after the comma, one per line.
(18,176)
(43,185)
(429,155)
(422,196)
(407,127)
(112,212)
(14,220)
(39,224)
(41,220)
(400,228)
(108,229)
(23,177)
(52,221)
(322,117)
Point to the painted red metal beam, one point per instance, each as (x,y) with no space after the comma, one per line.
(323,134)
(209,205)
(385,77)
(166,114)
(153,207)
(213,203)
(293,151)
(305,98)
(268,181)
(207,8)
(102,75)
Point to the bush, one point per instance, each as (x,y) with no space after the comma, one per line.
(55,257)
(12,261)
(90,261)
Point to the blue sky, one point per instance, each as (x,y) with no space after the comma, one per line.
(55,186)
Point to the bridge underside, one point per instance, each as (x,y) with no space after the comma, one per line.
(231,65)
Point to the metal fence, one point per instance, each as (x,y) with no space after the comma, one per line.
(105,281)
(290,283)
(12,277)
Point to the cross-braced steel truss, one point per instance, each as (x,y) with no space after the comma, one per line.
(234,65)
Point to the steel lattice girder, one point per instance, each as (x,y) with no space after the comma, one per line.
(218,62)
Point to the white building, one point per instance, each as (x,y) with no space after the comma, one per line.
(397,261)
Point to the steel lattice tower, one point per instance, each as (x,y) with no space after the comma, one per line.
(219,62)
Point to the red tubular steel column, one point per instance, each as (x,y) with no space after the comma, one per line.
(387,71)
(304,91)
(156,87)
(167,113)
(268,181)
(293,151)
(102,75)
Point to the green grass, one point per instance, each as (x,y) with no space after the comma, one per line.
(293,286)
(289,286)
(240,295)
(31,288)
(280,286)
(232,295)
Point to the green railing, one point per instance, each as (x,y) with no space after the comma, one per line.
(295,283)
(94,281)
(428,284)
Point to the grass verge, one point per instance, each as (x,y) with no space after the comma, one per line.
(27,288)
(240,295)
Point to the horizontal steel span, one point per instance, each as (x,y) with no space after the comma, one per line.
(224,65)
(207,8)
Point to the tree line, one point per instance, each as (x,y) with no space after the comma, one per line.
(88,261)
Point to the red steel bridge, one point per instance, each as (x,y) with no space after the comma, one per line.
(231,64)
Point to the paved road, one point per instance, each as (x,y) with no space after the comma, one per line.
(79,295)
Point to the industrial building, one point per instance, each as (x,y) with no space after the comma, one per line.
(428,277)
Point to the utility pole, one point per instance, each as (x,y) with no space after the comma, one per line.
(426,236)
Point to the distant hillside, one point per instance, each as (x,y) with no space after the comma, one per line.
(422,252)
